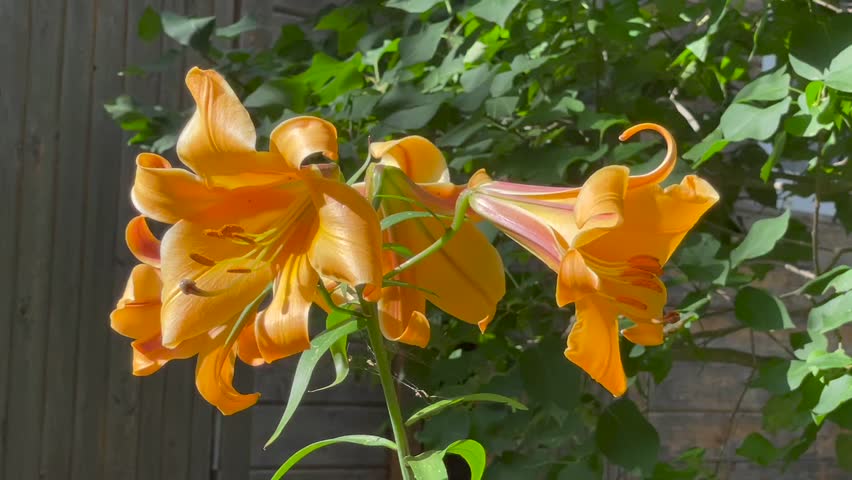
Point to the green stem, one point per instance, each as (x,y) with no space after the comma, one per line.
(389,388)
(458,220)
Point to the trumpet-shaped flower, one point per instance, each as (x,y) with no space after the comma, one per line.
(607,241)
(243,220)
(464,278)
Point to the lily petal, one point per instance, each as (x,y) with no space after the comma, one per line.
(401,308)
(141,242)
(150,355)
(656,220)
(593,344)
(207,281)
(169,194)
(247,348)
(282,329)
(419,158)
(298,138)
(576,279)
(600,204)
(219,140)
(647,334)
(347,245)
(137,314)
(216,385)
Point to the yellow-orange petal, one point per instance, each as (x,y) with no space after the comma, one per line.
(638,298)
(593,344)
(600,204)
(149,355)
(400,311)
(227,285)
(141,242)
(298,138)
(219,141)
(247,349)
(137,314)
(419,158)
(656,220)
(216,384)
(647,334)
(666,167)
(347,244)
(575,280)
(282,329)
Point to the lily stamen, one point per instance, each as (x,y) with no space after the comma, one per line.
(189,287)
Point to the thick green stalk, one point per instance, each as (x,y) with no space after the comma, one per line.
(389,388)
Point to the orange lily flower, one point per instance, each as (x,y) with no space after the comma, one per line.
(465,278)
(608,241)
(137,316)
(244,219)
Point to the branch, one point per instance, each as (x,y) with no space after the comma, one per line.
(718,355)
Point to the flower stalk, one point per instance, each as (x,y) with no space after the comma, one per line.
(388,387)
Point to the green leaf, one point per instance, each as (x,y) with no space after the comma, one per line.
(768,88)
(796,373)
(761,238)
(187,31)
(842,447)
(422,46)
(777,149)
(626,437)
(704,150)
(578,471)
(772,376)
(821,282)
(365,440)
(304,369)
(741,121)
(430,465)
(822,360)
(840,283)
(839,75)
(413,6)
(234,30)
(496,11)
(547,378)
(758,449)
(400,217)
(338,349)
(441,405)
(835,393)
(473,453)
(413,118)
(761,310)
(832,314)
(499,108)
(149,26)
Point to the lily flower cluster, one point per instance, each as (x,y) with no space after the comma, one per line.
(255,238)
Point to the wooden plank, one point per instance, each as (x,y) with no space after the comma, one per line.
(13,85)
(177,420)
(260,10)
(63,320)
(233,446)
(312,423)
(35,238)
(200,454)
(149,445)
(326,474)
(96,285)
(122,414)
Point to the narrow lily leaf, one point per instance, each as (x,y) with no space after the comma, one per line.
(305,368)
(400,217)
(399,249)
(365,440)
(398,283)
(430,465)
(338,349)
(440,406)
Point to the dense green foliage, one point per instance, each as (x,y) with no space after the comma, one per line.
(760,99)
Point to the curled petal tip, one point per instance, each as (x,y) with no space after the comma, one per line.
(483,324)
(478,178)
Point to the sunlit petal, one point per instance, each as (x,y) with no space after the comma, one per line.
(419,158)
(149,355)
(347,244)
(216,384)
(576,279)
(648,334)
(600,204)
(298,138)
(137,314)
(207,281)
(141,242)
(401,315)
(282,329)
(247,348)
(593,344)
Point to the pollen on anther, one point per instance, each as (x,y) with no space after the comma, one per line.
(239,270)
(199,258)
(647,283)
